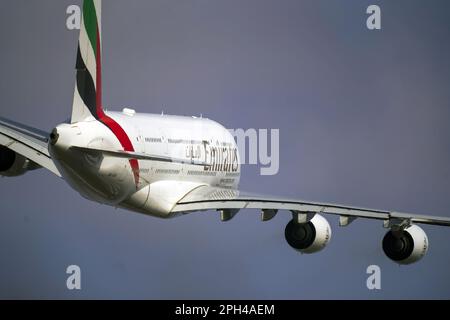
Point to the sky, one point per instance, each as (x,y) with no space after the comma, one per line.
(363,119)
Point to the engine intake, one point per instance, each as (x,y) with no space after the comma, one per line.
(13,164)
(7,158)
(407,246)
(308,237)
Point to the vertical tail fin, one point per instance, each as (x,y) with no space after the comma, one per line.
(87,102)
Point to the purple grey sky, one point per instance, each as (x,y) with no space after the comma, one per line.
(363,118)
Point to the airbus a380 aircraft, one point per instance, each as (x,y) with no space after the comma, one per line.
(165,166)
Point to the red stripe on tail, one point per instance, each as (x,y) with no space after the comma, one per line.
(110,123)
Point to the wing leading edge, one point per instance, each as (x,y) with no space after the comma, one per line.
(28,142)
(212,198)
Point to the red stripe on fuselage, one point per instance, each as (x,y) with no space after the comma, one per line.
(109,122)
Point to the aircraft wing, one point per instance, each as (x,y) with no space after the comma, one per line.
(230,201)
(28,142)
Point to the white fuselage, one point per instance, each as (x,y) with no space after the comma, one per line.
(148,186)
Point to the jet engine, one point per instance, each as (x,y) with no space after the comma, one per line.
(13,164)
(406,246)
(308,237)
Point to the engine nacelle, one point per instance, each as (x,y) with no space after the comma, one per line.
(407,246)
(13,164)
(308,237)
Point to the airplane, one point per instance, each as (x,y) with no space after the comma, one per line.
(166,166)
